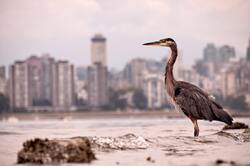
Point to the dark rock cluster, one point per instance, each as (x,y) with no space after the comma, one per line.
(236,125)
(44,151)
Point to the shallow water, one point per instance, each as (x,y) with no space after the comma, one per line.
(171,141)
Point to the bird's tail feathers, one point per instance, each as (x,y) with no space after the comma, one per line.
(221,114)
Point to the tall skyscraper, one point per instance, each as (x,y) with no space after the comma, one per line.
(35,73)
(97,82)
(41,81)
(18,85)
(81,73)
(225,53)
(48,79)
(97,85)
(248,51)
(64,89)
(210,53)
(152,85)
(98,50)
(134,72)
(3,81)
(2,72)
(218,55)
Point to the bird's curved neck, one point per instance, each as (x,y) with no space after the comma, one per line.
(169,77)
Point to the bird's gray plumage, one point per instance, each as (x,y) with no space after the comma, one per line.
(196,103)
(193,101)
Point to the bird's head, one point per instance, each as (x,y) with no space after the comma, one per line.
(167,42)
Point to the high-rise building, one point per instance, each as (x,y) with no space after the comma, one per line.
(18,85)
(235,79)
(3,81)
(63,98)
(134,70)
(225,53)
(248,51)
(97,73)
(41,83)
(35,73)
(81,73)
(153,86)
(189,75)
(3,86)
(117,81)
(48,79)
(98,50)
(210,53)
(2,72)
(218,55)
(81,92)
(97,85)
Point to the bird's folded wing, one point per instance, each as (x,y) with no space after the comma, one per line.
(194,102)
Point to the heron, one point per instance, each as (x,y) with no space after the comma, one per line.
(194,102)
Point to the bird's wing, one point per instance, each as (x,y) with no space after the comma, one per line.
(196,103)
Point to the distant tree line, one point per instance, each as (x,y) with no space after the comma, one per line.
(119,99)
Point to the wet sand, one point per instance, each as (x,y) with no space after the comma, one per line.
(170,141)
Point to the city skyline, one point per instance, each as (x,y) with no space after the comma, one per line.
(110,68)
(43,83)
(65,28)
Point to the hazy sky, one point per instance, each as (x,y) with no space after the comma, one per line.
(63,28)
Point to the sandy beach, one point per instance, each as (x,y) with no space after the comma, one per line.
(169,141)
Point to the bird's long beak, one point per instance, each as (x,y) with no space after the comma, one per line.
(156,43)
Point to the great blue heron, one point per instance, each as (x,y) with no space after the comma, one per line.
(193,101)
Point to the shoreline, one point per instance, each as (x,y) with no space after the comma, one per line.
(100,115)
(165,142)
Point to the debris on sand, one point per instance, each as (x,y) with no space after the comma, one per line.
(236,125)
(220,162)
(247,131)
(241,137)
(128,141)
(149,159)
(232,136)
(44,151)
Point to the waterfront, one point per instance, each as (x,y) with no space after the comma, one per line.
(172,141)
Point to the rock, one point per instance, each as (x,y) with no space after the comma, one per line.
(247,131)
(44,151)
(219,161)
(246,135)
(149,159)
(236,125)
(223,162)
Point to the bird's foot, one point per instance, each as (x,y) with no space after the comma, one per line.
(196,132)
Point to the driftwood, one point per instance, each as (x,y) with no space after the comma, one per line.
(44,151)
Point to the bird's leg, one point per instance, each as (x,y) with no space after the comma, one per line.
(196,127)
